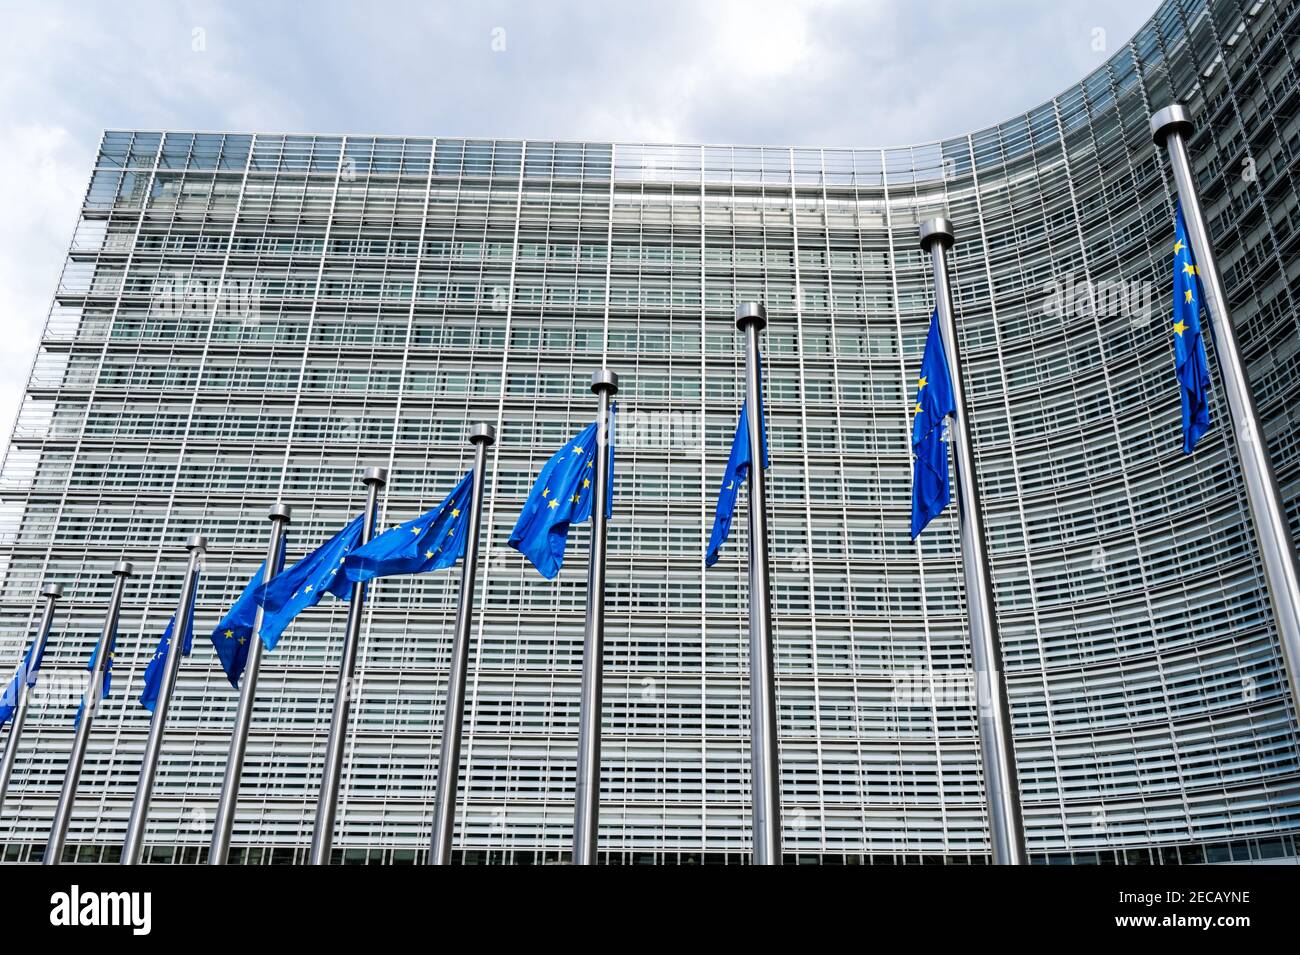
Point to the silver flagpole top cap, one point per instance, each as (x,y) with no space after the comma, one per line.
(123,568)
(52,590)
(375,476)
(1173,118)
(938,229)
(280,512)
(196,542)
(482,433)
(751,312)
(604,380)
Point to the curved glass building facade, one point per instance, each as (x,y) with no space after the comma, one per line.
(247,318)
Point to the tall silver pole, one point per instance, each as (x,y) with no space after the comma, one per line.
(444,806)
(1169,127)
(586,808)
(51,593)
(997,747)
(322,837)
(764,756)
(89,704)
(220,848)
(133,846)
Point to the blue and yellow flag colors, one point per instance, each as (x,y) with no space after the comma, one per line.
(561,496)
(738,465)
(432,541)
(306,582)
(931,487)
(26,671)
(232,635)
(108,674)
(153,673)
(1189,345)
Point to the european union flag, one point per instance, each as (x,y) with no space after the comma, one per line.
(738,464)
(561,497)
(231,636)
(931,488)
(153,673)
(1189,346)
(108,674)
(432,541)
(26,671)
(306,582)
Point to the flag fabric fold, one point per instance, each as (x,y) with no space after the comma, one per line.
(153,673)
(26,671)
(1189,344)
(108,675)
(931,481)
(561,496)
(233,634)
(738,465)
(434,540)
(305,583)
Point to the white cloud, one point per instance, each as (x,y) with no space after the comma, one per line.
(753,41)
(812,72)
(43,172)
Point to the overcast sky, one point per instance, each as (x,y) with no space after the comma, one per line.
(727,71)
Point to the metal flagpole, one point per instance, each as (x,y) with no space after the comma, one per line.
(133,847)
(51,593)
(89,704)
(586,809)
(1169,127)
(444,806)
(220,848)
(997,748)
(764,759)
(322,837)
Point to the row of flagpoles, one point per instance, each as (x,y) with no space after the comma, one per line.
(575,485)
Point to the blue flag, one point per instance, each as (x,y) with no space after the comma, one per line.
(432,541)
(231,636)
(26,671)
(931,488)
(1189,346)
(108,674)
(561,496)
(153,673)
(306,582)
(738,465)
